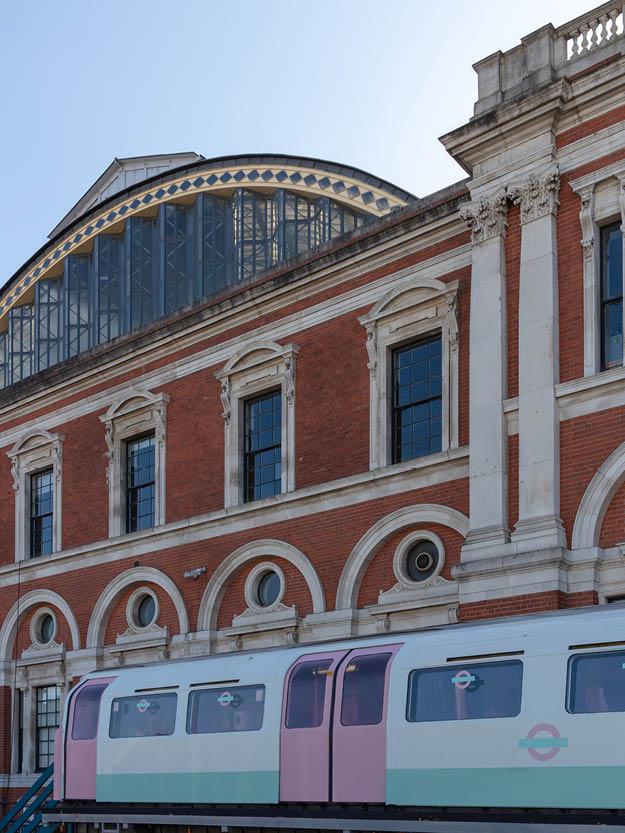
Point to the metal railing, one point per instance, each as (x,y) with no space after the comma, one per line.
(25,816)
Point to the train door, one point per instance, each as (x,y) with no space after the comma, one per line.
(306,727)
(359,728)
(80,740)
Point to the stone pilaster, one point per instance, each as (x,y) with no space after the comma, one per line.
(488,485)
(539,525)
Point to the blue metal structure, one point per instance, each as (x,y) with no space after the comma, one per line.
(155,265)
(26,814)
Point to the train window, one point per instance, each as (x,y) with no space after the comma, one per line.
(363,690)
(306,696)
(233,709)
(86,711)
(596,683)
(465,692)
(148,715)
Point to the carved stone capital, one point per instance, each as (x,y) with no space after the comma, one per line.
(487,218)
(538,197)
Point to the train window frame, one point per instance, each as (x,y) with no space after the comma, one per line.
(289,713)
(456,668)
(98,689)
(572,660)
(198,692)
(342,706)
(138,698)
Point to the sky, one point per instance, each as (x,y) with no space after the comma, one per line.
(368,83)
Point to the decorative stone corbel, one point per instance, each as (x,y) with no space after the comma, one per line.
(224,395)
(372,348)
(587,220)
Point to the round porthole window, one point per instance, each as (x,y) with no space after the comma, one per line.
(144,610)
(264,587)
(422,560)
(43,627)
(46,628)
(268,589)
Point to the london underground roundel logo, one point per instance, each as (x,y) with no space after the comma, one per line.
(543,742)
(463,679)
(225,698)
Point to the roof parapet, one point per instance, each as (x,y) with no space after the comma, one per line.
(549,53)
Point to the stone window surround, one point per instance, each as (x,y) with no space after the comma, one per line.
(28,679)
(34,453)
(256,369)
(251,587)
(399,558)
(139,412)
(602,194)
(417,307)
(34,627)
(131,609)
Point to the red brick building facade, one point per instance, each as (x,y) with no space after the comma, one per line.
(261,401)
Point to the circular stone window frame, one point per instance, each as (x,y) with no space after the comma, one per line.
(399,558)
(132,606)
(251,587)
(35,627)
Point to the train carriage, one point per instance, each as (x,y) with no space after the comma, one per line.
(519,713)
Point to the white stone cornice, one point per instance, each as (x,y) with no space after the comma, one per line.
(538,196)
(486,218)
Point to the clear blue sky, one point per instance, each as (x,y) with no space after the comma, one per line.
(364,82)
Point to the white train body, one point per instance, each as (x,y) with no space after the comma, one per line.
(526,712)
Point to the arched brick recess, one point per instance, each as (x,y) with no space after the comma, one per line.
(613,526)
(108,601)
(117,623)
(408,517)
(296,591)
(29,602)
(379,574)
(63,633)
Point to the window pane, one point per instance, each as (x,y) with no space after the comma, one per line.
(417,387)
(363,690)
(263,448)
(471,692)
(148,715)
(306,696)
(48,712)
(41,513)
(140,483)
(86,711)
(237,709)
(612,295)
(597,683)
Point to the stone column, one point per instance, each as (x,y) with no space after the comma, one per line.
(539,525)
(488,467)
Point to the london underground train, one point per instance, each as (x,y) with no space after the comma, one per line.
(518,713)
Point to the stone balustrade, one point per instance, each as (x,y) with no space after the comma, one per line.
(549,53)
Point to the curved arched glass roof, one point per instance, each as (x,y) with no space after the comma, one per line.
(191,233)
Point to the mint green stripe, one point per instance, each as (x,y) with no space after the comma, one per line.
(543,743)
(201,787)
(535,786)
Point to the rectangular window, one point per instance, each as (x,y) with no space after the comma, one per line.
(417,399)
(86,712)
(48,323)
(216,234)
(363,690)
(21,342)
(142,253)
(109,286)
(306,696)
(465,692)
(47,721)
(178,260)
(41,513)
(596,683)
(237,709)
(144,716)
(611,296)
(77,291)
(263,446)
(140,483)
